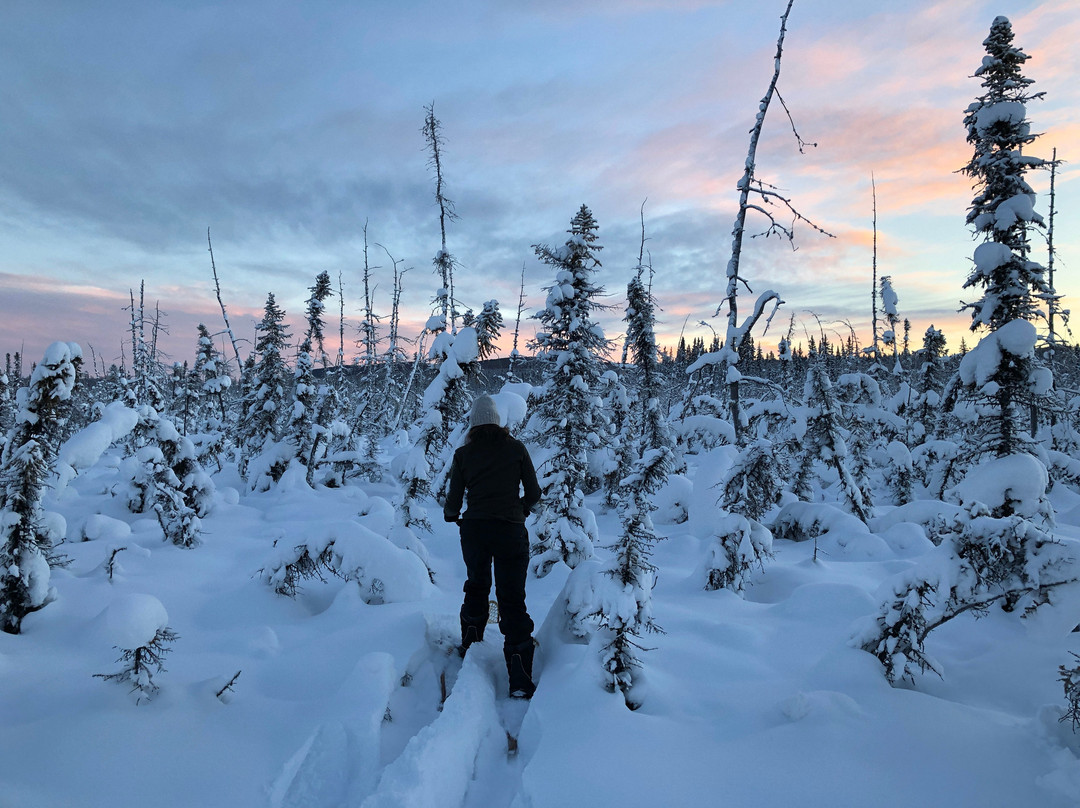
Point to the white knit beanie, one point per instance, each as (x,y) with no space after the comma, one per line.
(484,411)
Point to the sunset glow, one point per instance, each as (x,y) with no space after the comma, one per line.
(130,129)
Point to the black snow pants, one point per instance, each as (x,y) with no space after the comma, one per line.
(506,545)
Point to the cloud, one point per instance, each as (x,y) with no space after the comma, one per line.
(133,127)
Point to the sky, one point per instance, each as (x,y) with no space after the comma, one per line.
(130,128)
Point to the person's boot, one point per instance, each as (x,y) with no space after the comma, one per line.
(519,665)
(470,633)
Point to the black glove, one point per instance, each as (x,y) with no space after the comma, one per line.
(448,518)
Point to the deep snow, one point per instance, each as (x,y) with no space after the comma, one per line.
(757,700)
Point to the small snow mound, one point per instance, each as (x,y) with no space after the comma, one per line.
(83,449)
(99,527)
(823,702)
(673,500)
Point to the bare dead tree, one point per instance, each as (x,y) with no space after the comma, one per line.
(157,328)
(767,197)
(873,287)
(639,270)
(217,291)
(517,324)
(444,262)
(341,323)
(368,328)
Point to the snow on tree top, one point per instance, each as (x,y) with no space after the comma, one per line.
(132,621)
(888,297)
(1019,208)
(83,449)
(981,363)
(466,346)
(990,255)
(1010,112)
(1017,479)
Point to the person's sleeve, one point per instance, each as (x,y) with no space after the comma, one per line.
(528,483)
(456,493)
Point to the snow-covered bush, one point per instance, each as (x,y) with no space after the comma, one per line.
(996,549)
(383,572)
(1070,680)
(137,626)
(164,476)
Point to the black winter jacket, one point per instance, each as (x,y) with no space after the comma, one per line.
(490,468)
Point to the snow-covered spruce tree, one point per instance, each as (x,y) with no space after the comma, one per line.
(318,407)
(619,441)
(641,339)
(212,371)
(998,549)
(446,400)
(741,543)
(265,402)
(27,533)
(623,610)
(210,375)
(1002,211)
(301,432)
(145,371)
(185,398)
(869,426)
(316,306)
(571,420)
(929,381)
(1004,378)
(7,406)
(889,301)
(183,491)
(824,442)
(488,325)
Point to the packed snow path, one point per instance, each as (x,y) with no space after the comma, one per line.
(464,753)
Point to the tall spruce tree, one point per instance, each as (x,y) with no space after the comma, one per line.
(569,408)
(998,549)
(26,537)
(316,305)
(212,373)
(266,399)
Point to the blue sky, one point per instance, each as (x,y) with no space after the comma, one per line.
(131,127)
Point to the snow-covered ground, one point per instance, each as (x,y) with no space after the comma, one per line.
(757,700)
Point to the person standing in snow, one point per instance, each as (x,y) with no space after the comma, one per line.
(494,468)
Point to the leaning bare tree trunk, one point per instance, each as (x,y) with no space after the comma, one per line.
(224,316)
(874,289)
(734,333)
